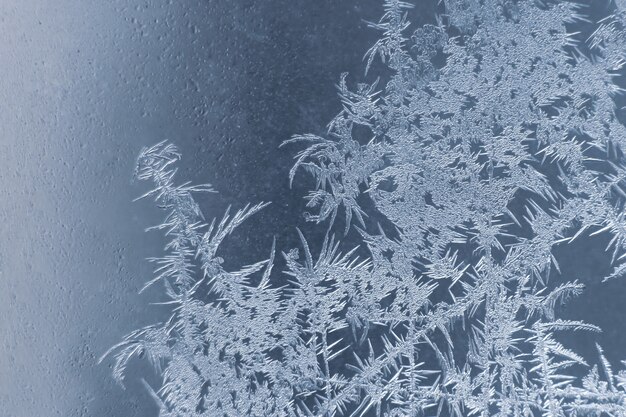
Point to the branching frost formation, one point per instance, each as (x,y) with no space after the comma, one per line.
(491,138)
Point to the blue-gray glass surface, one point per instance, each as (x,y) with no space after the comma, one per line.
(415,208)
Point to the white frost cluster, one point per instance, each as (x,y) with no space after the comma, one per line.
(490,139)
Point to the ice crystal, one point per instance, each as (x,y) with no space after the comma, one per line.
(491,138)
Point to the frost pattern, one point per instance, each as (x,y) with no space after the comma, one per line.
(488,140)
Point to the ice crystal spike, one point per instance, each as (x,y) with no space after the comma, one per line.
(492,138)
